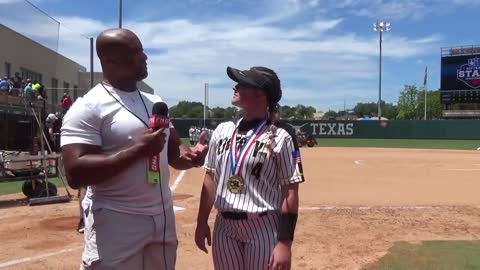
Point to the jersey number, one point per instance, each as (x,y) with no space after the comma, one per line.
(257,169)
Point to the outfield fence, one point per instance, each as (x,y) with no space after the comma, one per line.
(433,129)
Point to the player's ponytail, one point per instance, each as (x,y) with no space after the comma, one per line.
(273,113)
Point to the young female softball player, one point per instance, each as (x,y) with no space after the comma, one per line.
(253,169)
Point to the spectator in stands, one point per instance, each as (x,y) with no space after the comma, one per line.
(17,86)
(35,85)
(42,92)
(10,82)
(52,126)
(28,92)
(66,102)
(4,86)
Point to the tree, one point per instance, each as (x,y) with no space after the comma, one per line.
(187,109)
(408,103)
(218,112)
(287,112)
(310,111)
(342,113)
(434,106)
(330,115)
(365,109)
(389,111)
(303,112)
(230,112)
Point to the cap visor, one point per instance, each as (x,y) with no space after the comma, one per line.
(240,77)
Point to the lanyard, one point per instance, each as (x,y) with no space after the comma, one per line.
(239,156)
(125,107)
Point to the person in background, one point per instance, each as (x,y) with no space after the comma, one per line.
(190,134)
(42,92)
(4,86)
(28,92)
(66,103)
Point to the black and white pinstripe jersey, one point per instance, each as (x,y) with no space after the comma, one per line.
(262,176)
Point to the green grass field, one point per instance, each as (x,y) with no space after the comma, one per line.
(401,143)
(395,143)
(431,255)
(16,187)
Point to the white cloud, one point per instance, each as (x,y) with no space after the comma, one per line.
(317,65)
(396,10)
(325,25)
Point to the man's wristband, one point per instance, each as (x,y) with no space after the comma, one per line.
(286,228)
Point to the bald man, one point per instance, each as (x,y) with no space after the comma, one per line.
(106,142)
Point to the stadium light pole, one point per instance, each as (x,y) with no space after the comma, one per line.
(380,27)
(205,104)
(119,13)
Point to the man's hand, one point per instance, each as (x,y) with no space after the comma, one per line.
(197,154)
(151,142)
(202,232)
(281,258)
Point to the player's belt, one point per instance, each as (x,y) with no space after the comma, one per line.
(242,215)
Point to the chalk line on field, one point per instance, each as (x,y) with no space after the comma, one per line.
(175,185)
(359,162)
(178,208)
(400,207)
(29,259)
(462,170)
(178,180)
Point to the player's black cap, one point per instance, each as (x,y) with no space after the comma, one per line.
(261,78)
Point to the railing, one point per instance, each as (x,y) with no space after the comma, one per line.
(460,50)
(19,101)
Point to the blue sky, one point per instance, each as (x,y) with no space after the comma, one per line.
(324,51)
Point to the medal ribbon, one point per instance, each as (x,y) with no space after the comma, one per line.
(239,158)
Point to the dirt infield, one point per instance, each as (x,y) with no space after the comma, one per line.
(355,204)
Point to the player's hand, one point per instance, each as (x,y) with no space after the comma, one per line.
(197,154)
(151,142)
(281,258)
(202,232)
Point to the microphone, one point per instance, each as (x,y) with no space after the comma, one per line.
(159,118)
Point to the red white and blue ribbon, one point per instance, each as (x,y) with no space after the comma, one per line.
(238,156)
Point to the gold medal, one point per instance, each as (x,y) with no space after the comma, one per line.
(235,184)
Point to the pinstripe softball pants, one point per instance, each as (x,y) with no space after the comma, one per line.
(244,244)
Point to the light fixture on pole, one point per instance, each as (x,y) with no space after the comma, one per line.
(380,27)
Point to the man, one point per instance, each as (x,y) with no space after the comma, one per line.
(129,217)
(66,102)
(190,134)
(51,130)
(4,86)
(28,92)
(42,92)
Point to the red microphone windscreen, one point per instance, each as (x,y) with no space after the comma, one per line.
(159,118)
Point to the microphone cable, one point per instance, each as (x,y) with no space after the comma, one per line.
(164,218)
